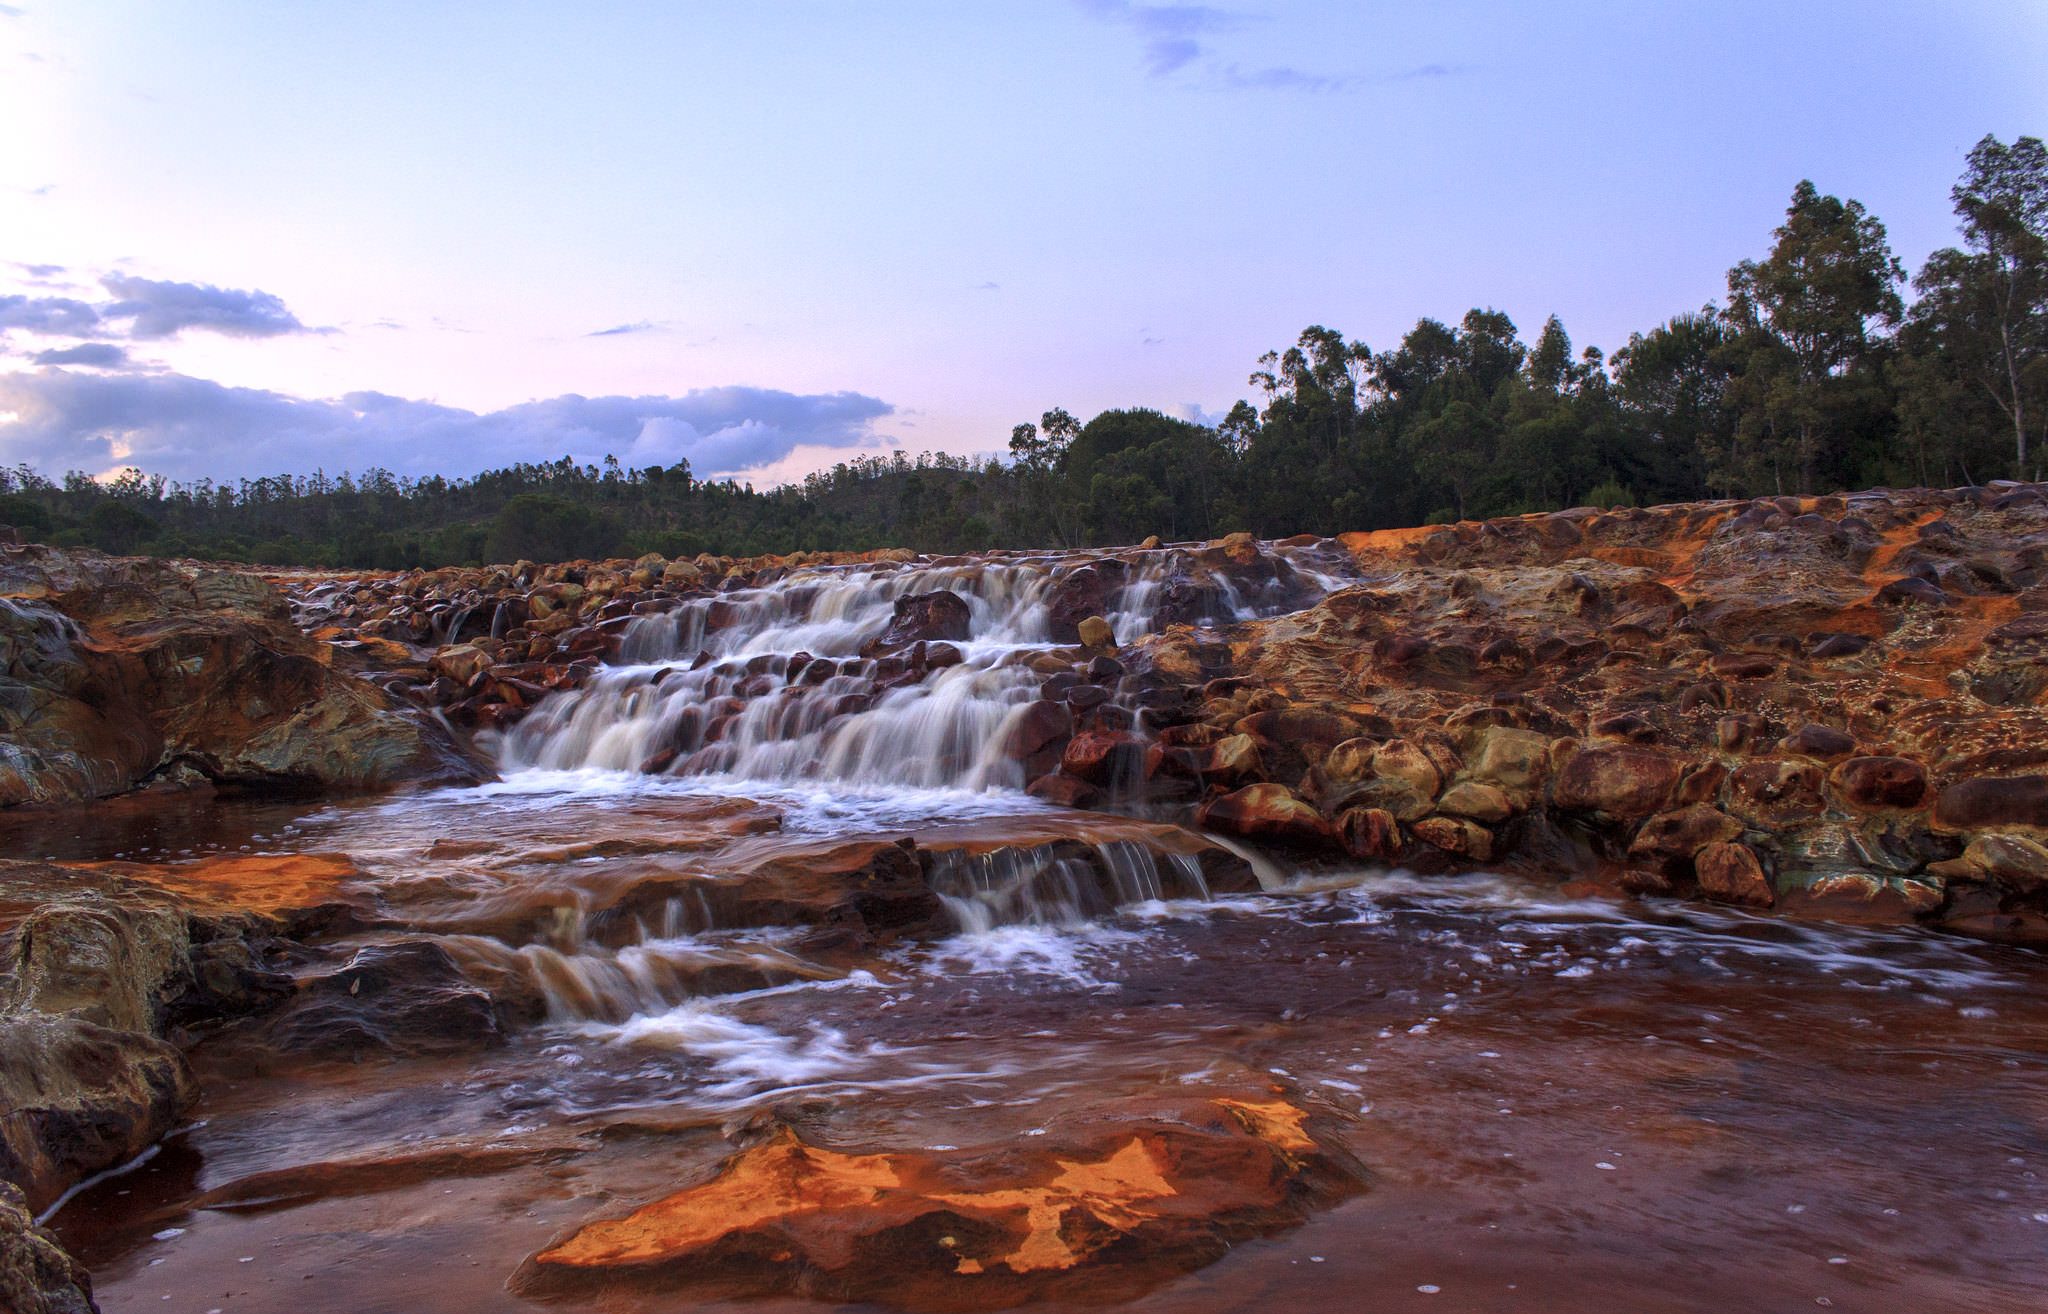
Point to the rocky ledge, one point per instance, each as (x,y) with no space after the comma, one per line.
(120,673)
(1828,704)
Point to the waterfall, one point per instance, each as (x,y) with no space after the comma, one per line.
(785,681)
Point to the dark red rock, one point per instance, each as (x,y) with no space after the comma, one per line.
(1880,783)
(1992,801)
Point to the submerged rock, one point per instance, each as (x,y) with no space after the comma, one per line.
(1104,1209)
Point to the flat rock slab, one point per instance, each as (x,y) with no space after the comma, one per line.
(1110,1207)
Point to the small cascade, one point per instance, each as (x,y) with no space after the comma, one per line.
(795,680)
(1059,884)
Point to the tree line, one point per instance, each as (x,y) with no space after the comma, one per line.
(1823,368)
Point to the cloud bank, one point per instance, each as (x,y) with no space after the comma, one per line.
(187,428)
(149,309)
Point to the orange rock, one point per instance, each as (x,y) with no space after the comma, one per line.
(1113,1206)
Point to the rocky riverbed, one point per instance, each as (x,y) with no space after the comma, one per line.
(1484,915)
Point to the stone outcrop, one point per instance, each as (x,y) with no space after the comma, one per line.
(1835,704)
(118,673)
(99,973)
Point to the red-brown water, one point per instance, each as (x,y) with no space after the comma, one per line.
(1561,1105)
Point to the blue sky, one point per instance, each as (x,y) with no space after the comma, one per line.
(243,238)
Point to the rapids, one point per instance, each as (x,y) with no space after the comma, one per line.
(729,885)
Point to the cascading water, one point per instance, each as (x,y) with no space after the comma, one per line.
(771,683)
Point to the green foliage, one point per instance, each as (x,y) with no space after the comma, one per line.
(1609,495)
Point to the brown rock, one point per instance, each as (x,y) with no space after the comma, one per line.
(1675,837)
(1232,758)
(1731,873)
(1370,834)
(1104,757)
(1821,741)
(1349,761)
(1064,790)
(1625,781)
(1265,811)
(1456,835)
(1771,793)
(2014,861)
(1875,784)
(1515,760)
(1481,802)
(36,1276)
(1408,763)
(1989,802)
(1098,1211)
(1095,634)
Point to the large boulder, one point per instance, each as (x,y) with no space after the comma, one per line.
(114,672)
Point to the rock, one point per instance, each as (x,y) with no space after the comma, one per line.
(132,668)
(1268,812)
(1771,793)
(36,1276)
(1625,782)
(1063,790)
(922,618)
(404,998)
(1406,762)
(1993,802)
(1517,761)
(1370,834)
(1095,634)
(1349,761)
(1875,784)
(1673,838)
(2014,861)
(1105,757)
(1102,1210)
(1233,758)
(1731,873)
(1821,741)
(1480,802)
(1456,835)
(1078,595)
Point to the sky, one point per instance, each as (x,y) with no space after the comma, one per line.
(248,239)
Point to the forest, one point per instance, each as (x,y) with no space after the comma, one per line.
(1824,367)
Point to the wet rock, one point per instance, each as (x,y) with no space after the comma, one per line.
(1994,802)
(1456,835)
(1627,783)
(1104,1210)
(1732,874)
(1268,812)
(1370,834)
(1480,802)
(129,669)
(1873,784)
(1674,838)
(1821,741)
(2016,862)
(1772,793)
(922,618)
(36,1275)
(1064,790)
(1104,758)
(409,997)
(1095,634)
